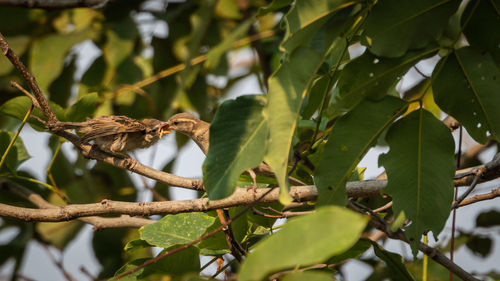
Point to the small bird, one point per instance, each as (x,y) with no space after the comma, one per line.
(199,131)
(118,134)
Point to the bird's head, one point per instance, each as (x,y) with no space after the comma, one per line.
(155,129)
(184,123)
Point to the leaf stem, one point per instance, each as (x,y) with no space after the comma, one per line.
(13,140)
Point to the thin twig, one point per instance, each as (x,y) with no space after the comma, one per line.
(433,253)
(481,197)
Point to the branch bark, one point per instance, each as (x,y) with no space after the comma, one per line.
(97,222)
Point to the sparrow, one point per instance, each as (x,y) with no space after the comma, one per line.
(118,134)
(199,131)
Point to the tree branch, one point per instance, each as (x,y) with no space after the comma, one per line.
(433,253)
(97,222)
(53,4)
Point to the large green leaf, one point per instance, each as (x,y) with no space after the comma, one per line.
(287,88)
(238,136)
(335,230)
(479,29)
(305,18)
(466,85)
(18,107)
(176,229)
(394,27)
(351,137)
(371,76)
(82,108)
(47,55)
(420,170)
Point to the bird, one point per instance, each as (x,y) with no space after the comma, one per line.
(118,134)
(199,131)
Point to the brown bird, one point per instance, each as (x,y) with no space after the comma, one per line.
(118,134)
(198,130)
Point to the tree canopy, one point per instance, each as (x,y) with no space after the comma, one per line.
(332,75)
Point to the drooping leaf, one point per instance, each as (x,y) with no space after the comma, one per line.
(351,137)
(305,18)
(485,18)
(372,77)
(238,136)
(287,88)
(394,27)
(18,107)
(466,85)
(176,229)
(423,189)
(394,262)
(336,229)
(82,108)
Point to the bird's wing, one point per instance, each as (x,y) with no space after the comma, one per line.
(106,126)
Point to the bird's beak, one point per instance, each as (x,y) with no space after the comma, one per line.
(164,129)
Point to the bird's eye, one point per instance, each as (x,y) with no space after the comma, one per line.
(176,123)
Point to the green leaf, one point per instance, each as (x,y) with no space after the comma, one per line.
(287,88)
(47,56)
(275,5)
(22,153)
(336,229)
(351,137)
(82,108)
(315,96)
(227,9)
(238,137)
(394,27)
(353,253)
(308,275)
(187,260)
(176,229)
(18,44)
(371,76)
(305,18)
(18,107)
(394,262)
(214,55)
(120,42)
(59,234)
(478,29)
(466,85)
(420,170)
(135,245)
